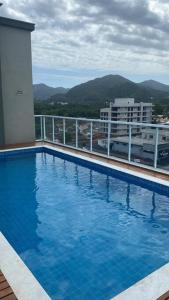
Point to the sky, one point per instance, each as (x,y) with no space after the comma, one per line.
(79,40)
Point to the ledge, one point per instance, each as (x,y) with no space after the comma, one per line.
(17,24)
(149,288)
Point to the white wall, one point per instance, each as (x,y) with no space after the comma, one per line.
(16,95)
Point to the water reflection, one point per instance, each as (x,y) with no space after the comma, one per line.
(76,176)
(18,205)
(107,182)
(91,178)
(153,207)
(128,196)
(92,223)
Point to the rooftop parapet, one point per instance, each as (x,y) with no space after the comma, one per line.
(17,24)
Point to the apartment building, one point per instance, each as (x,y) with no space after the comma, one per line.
(126,110)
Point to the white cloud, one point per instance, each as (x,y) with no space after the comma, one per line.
(129,36)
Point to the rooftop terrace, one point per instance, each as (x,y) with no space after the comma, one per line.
(89,140)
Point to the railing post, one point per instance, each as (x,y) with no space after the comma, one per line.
(156,148)
(108,139)
(44,128)
(53,129)
(129,153)
(41,127)
(64,136)
(91,136)
(76,133)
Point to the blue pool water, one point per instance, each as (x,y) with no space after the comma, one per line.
(83,234)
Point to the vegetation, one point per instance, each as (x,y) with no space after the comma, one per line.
(69,110)
(161,109)
(86,111)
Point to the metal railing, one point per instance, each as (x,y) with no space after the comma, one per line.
(142,144)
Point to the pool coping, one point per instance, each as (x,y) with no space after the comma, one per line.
(152,286)
(23,283)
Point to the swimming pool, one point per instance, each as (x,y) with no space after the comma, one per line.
(85,231)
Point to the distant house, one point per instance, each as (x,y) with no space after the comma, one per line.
(142,145)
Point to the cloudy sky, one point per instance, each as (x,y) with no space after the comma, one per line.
(78,40)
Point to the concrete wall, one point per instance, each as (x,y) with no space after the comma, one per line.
(16,94)
(1,112)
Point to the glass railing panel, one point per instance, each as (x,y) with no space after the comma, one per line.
(70,132)
(48,128)
(84,132)
(119,141)
(137,143)
(58,131)
(38,128)
(143,145)
(100,137)
(163,149)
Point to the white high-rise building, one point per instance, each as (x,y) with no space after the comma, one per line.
(126,110)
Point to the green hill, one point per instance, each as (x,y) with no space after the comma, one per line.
(43,92)
(155,85)
(100,90)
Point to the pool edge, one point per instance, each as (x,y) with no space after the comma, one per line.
(150,287)
(23,283)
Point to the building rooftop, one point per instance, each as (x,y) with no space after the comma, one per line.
(139,141)
(17,24)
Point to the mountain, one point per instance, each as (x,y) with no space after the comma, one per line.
(155,85)
(43,92)
(109,87)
